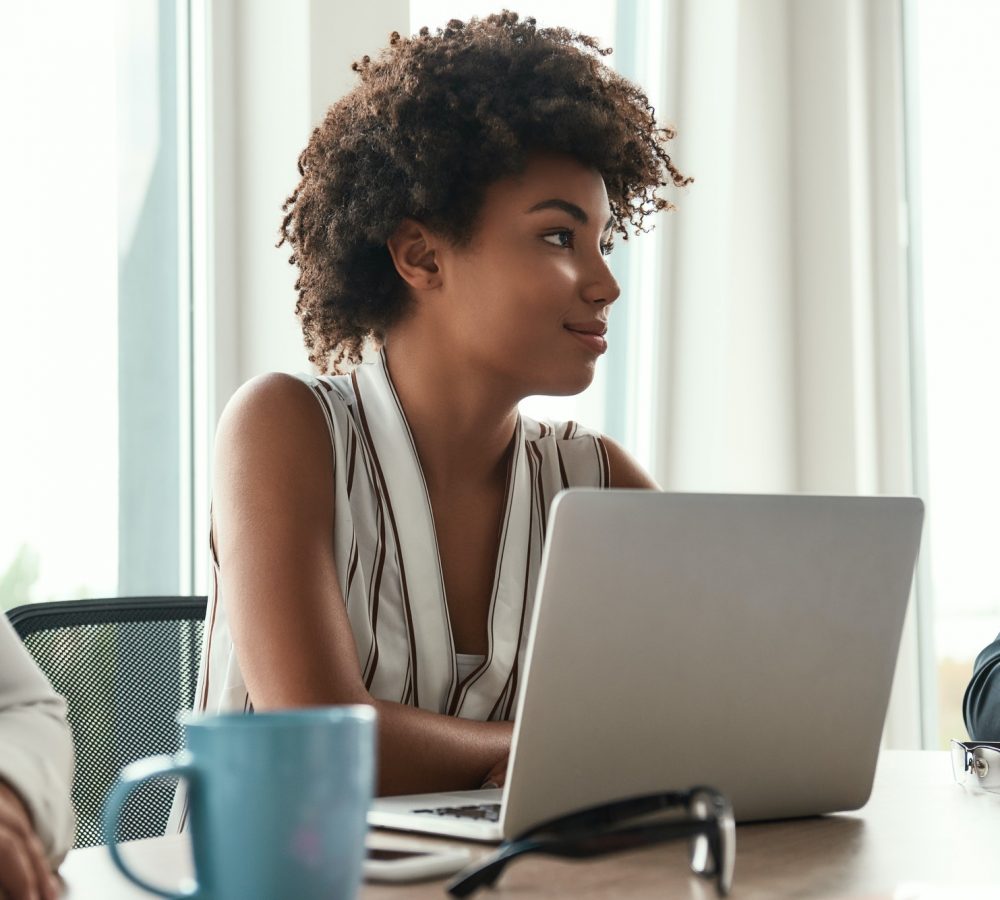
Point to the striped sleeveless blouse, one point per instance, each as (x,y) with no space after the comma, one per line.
(386,554)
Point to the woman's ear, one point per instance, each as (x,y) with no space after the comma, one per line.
(412,248)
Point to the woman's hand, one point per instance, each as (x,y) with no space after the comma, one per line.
(498,774)
(24,872)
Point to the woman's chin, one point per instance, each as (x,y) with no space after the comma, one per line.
(567,384)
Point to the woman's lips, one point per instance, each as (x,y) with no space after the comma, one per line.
(594,342)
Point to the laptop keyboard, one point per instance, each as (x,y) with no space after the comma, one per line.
(487,812)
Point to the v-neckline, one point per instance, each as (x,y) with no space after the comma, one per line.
(420,556)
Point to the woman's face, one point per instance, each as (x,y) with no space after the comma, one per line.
(528,299)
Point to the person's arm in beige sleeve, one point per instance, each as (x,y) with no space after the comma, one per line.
(36,770)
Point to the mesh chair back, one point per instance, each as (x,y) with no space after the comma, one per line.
(126,668)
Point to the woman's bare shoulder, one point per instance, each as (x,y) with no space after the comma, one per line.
(625,469)
(272,396)
(274,424)
(276,405)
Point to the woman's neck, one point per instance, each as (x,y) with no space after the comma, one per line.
(463,426)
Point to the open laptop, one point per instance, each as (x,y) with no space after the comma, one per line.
(741,641)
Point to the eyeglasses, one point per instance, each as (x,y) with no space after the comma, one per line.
(976,764)
(625,825)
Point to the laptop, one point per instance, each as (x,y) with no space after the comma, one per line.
(745,642)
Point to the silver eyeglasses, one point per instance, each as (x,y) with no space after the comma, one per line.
(976,764)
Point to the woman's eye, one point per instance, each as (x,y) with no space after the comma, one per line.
(566,237)
(559,238)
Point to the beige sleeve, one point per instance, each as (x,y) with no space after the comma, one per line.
(36,748)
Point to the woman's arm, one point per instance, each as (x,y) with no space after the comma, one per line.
(273,513)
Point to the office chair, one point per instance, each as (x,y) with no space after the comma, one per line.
(126,668)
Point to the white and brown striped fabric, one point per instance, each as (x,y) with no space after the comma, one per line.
(386,554)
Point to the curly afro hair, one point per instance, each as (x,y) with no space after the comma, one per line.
(435,120)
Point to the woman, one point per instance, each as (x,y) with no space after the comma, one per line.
(376,535)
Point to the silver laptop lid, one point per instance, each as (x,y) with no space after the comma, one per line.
(742,641)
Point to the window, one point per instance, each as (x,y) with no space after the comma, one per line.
(96,319)
(953,77)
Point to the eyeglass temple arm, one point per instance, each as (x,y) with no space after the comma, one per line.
(468,882)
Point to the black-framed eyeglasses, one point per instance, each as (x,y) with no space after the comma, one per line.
(625,825)
(976,764)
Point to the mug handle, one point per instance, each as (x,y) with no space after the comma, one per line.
(129,779)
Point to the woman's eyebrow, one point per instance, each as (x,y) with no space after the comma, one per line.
(570,208)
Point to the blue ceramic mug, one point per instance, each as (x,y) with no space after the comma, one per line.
(277,802)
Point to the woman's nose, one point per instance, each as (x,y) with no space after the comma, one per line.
(604,287)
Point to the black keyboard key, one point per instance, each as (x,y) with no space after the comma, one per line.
(489,812)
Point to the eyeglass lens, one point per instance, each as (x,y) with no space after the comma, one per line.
(959,761)
(977,764)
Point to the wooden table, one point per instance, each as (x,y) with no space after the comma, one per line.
(920,837)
